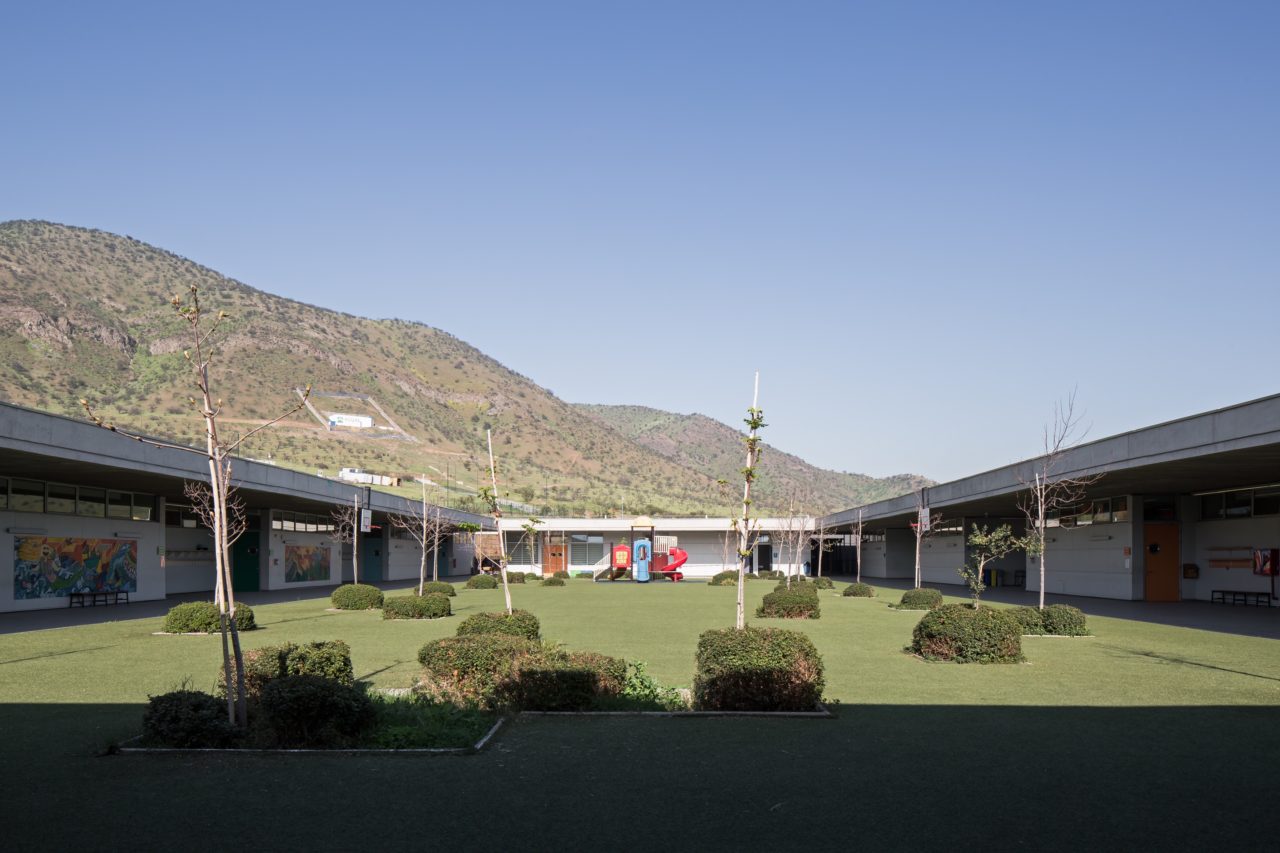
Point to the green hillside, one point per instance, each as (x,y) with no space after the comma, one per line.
(707,445)
(85,313)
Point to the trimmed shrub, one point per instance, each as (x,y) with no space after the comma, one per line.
(303,711)
(1064,621)
(757,669)
(482,582)
(521,623)
(1029,619)
(824,583)
(563,681)
(187,719)
(585,576)
(562,574)
(356,596)
(771,575)
(431,606)
(440,587)
(553,581)
(920,599)
(201,617)
(325,659)
(468,670)
(799,602)
(958,632)
(729,578)
(860,590)
(517,577)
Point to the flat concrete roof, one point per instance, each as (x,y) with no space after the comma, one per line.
(44,446)
(1233,447)
(660,524)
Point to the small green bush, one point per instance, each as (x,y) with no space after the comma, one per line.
(958,632)
(356,596)
(799,602)
(757,669)
(482,582)
(771,575)
(440,587)
(187,719)
(1064,620)
(824,583)
(329,659)
(306,711)
(920,599)
(517,577)
(1029,619)
(201,617)
(563,681)
(860,590)
(521,623)
(469,670)
(729,578)
(431,606)
(561,573)
(553,581)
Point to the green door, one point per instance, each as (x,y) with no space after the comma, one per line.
(370,557)
(245,562)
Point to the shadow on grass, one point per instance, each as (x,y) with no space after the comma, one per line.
(877,778)
(59,654)
(1119,651)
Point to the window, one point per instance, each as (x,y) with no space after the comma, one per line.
(60,498)
(92,502)
(1163,508)
(26,496)
(143,506)
(1211,507)
(1237,504)
(4,493)
(119,505)
(1120,508)
(522,551)
(1266,501)
(1102,512)
(585,550)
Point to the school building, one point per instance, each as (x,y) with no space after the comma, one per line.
(84,510)
(1184,510)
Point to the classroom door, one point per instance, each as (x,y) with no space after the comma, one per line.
(371,556)
(553,556)
(1162,560)
(245,562)
(764,558)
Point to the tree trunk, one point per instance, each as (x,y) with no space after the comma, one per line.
(355,543)
(1044,545)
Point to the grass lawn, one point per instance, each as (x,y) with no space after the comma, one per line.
(1142,736)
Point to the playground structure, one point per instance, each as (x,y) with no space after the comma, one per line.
(648,556)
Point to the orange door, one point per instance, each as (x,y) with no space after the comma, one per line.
(553,556)
(1163,561)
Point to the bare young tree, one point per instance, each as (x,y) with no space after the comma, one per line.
(490,496)
(857,545)
(429,529)
(793,533)
(218,451)
(744,526)
(1048,490)
(925,526)
(346,531)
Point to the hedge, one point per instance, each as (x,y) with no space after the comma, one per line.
(1063,620)
(517,577)
(799,602)
(469,670)
(920,599)
(860,590)
(306,711)
(356,596)
(1029,618)
(521,623)
(824,583)
(329,659)
(482,582)
(201,617)
(729,578)
(562,574)
(187,719)
(770,575)
(562,681)
(553,581)
(958,632)
(757,669)
(431,606)
(439,587)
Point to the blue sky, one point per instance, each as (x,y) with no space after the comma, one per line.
(923,222)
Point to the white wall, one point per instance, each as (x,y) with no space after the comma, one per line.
(1087,561)
(402,560)
(149,534)
(188,562)
(874,564)
(1227,533)
(275,558)
(940,558)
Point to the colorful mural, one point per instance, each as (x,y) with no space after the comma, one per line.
(306,563)
(47,567)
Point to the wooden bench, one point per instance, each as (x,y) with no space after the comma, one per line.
(93,599)
(1239,596)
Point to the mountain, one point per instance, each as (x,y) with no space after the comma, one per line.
(86,313)
(711,447)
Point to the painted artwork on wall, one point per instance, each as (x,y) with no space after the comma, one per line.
(306,563)
(53,567)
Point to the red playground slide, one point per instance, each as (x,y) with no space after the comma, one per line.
(679,557)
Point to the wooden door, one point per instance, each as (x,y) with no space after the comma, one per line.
(553,554)
(1163,561)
